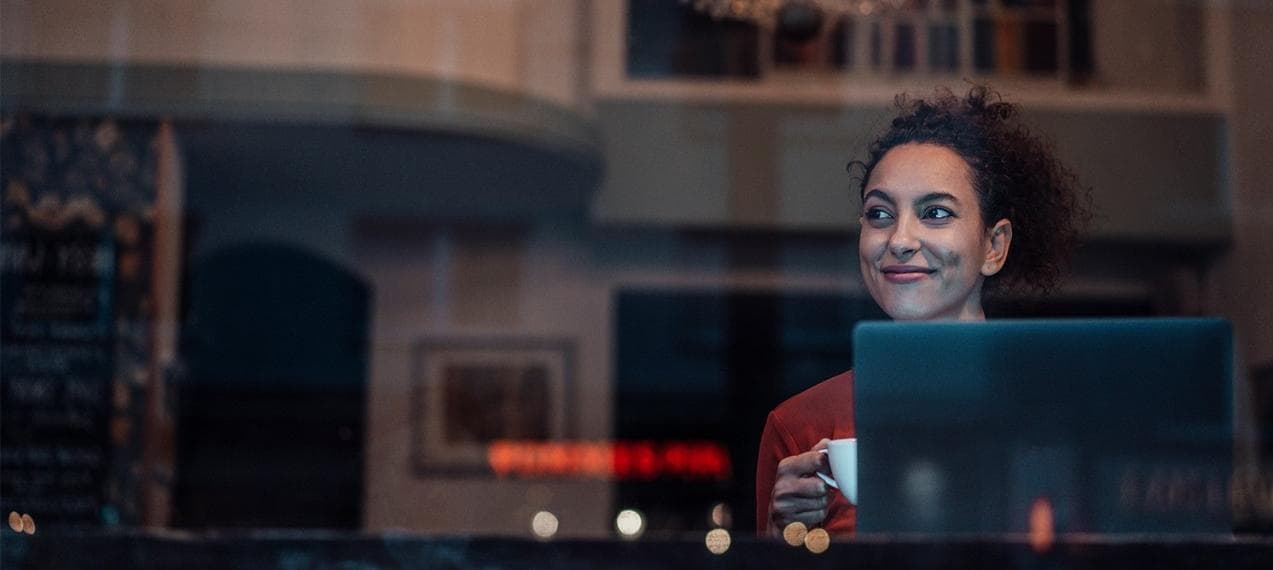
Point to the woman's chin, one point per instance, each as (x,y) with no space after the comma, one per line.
(910,312)
(912,317)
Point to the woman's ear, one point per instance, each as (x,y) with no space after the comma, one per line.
(998,241)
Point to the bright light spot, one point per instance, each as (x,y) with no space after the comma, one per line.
(794,533)
(630,523)
(15,521)
(718,541)
(28,524)
(1042,525)
(924,488)
(817,541)
(544,525)
(721,516)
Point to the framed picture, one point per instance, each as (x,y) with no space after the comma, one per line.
(470,393)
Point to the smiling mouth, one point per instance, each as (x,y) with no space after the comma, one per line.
(905,274)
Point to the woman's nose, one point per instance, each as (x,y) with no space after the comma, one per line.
(904,241)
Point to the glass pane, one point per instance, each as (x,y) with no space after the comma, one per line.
(667,39)
(548,260)
(1041,46)
(943,47)
(842,40)
(983,46)
(1008,45)
(904,47)
(796,35)
(1080,35)
(877,47)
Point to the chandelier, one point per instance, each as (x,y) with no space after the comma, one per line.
(765,12)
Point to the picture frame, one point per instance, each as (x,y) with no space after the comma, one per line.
(468,394)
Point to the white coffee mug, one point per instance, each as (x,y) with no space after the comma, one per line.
(843,454)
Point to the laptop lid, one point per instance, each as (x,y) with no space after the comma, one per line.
(1122,425)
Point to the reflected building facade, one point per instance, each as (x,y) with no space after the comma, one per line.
(515,268)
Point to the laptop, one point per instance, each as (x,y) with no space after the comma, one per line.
(1119,425)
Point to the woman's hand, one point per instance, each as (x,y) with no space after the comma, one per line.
(799,495)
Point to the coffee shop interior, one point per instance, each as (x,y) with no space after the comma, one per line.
(530,274)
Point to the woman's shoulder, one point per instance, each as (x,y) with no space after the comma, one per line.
(827,404)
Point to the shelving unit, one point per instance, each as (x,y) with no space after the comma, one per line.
(1049,54)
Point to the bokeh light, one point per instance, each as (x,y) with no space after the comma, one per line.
(1042,525)
(817,541)
(718,541)
(722,516)
(629,523)
(794,533)
(544,525)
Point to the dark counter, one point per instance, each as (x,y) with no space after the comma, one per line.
(297,550)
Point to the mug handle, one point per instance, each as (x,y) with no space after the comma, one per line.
(826,478)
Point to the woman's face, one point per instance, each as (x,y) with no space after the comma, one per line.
(924,249)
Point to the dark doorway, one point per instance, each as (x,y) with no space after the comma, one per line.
(272,409)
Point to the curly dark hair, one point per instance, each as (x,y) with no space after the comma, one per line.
(1016,175)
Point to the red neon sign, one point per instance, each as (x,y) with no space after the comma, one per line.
(612,460)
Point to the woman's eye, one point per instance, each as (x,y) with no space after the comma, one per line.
(938,213)
(878,214)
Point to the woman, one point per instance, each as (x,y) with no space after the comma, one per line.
(958,198)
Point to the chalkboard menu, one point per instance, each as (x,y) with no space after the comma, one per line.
(78,205)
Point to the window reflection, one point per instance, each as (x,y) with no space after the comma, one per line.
(460,268)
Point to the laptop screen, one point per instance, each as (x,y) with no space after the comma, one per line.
(1122,425)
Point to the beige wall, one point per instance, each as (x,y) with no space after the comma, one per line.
(783,166)
(417,279)
(1244,278)
(528,46)
(1149,44)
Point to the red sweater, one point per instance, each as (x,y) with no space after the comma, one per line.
(823,411)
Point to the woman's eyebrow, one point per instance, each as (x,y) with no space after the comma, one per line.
(879,194)
(936,197)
